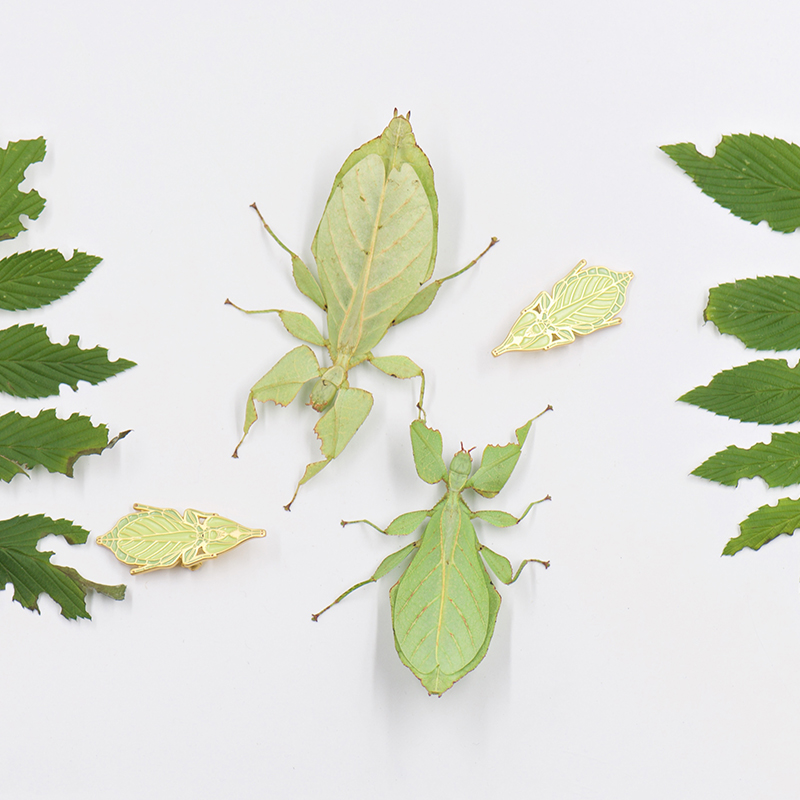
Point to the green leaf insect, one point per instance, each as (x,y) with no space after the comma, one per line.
(160,538)
(444,607)
(375,250)
(32,574)
(755,177)
(583,301)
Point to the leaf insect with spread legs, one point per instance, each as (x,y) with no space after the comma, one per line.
(375,250)
(444,607)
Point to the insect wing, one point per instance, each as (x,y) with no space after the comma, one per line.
(442,606)
(376,242)
(150,539)
(588,298)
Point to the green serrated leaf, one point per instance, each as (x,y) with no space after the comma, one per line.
(767,392)
(14,160)
(36,278)
(45,440)
(764,524)
(778,462)
(755,177)
(764,313)
(31,572)
(33,366)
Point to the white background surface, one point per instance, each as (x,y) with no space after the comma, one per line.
(642,664)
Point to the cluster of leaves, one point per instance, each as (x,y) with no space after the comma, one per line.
(758,179)
(31,365)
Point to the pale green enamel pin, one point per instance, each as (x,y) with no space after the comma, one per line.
(159,538)
(582,302)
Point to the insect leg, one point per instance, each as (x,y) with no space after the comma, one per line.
(384,568)
(502,519)
(501,566)
(402,526)
(525,563)
(303,277)
(400,367)
(425,296)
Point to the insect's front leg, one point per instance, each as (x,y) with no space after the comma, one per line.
(303,277)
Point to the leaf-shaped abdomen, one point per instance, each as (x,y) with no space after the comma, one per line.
(149,538)
(373,249)
(588,298)
(441,610)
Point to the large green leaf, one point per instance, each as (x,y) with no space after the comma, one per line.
(755,177)
(767,392)
(778,462)
(763,312)
(33,366)
(764,524)
(31,572)
(36,278)
(14,160)
(56,444)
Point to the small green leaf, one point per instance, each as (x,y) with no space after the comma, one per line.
(14,160)
(36,278)
(33,366)
(764,313)
(56,444)
(31,572)
(778,462)
(764,524)
(426,444)
(767,392)
(755,177)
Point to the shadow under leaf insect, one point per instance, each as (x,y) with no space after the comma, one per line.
(444,607)
(375,250)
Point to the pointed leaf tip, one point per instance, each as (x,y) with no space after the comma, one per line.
(755,177)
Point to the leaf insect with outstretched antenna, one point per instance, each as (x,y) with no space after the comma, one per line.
(444,606)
